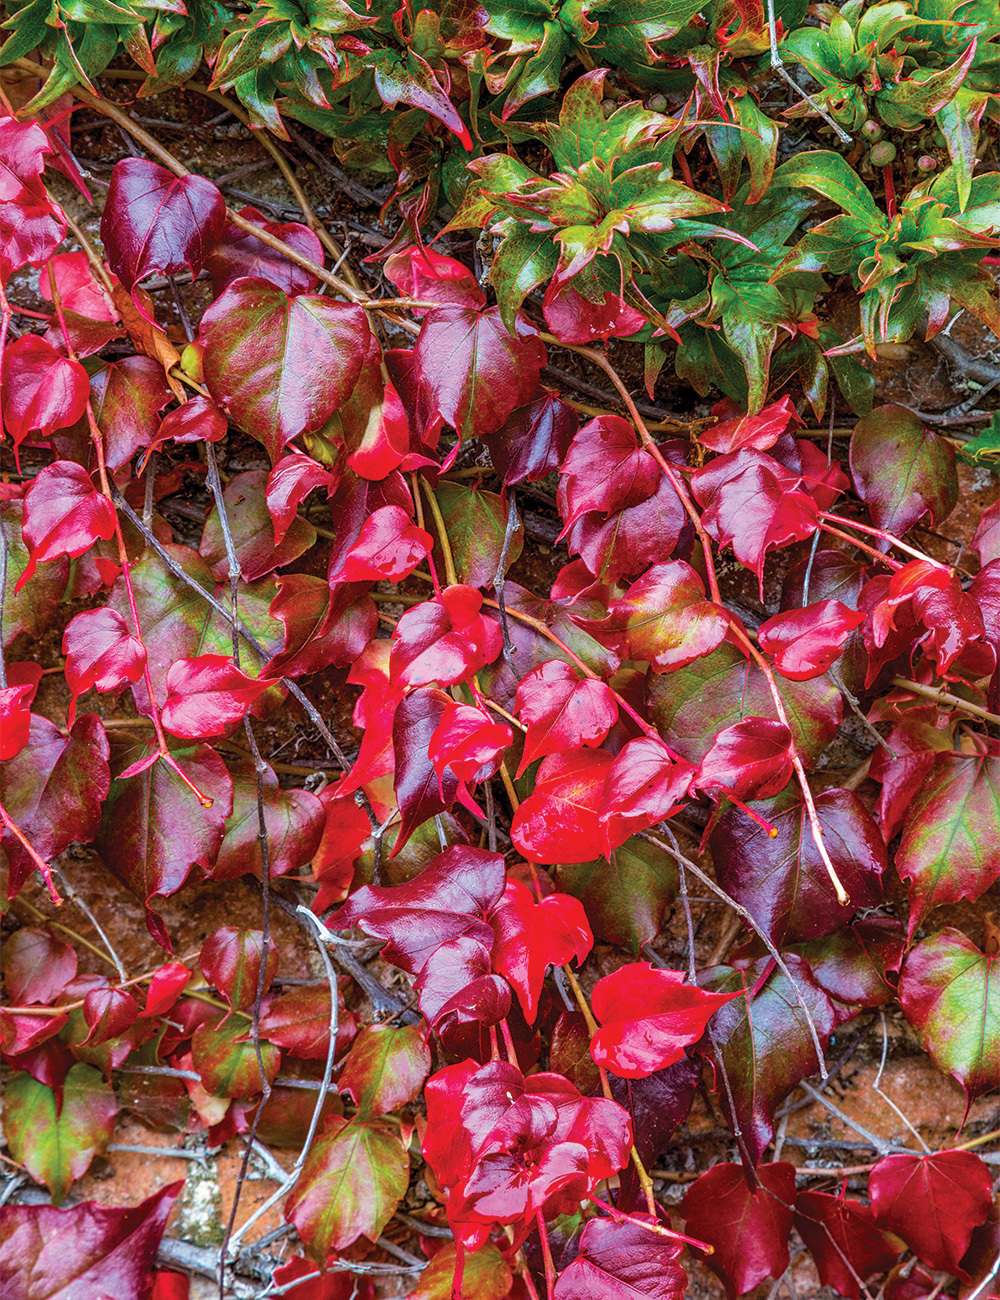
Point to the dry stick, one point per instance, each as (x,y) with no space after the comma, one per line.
(674,479)
(674,850)
(318,932)
(499,581)
(945,697)
(881,1145)
(310,709)
(777,65)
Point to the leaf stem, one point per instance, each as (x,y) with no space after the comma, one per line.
(550,1268)
(883,536)
(37,859)
(442,532)
(945,697)
(657,1228)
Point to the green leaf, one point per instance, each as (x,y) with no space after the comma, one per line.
(56,1143)
(829,175)
(385,1068)
(625,899)
(958,121)
(751,314)
(30,29)
(30,609)
(901,470)
(353,1179)
(951,836)
(950,994)
(475,522)
(907,103)
(984,449)
(485,1275)
(225,1057)
(691,706)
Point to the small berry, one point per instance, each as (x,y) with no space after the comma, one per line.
(926,163)
(883,153)
(657,103)
(871,129)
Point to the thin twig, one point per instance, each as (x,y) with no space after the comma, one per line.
(75,898)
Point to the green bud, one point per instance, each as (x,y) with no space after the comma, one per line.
(883,153)
(657,103)
(926,163)
(871,130)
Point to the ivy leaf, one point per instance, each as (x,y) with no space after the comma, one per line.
(279,365)
(782,881)
(36,966)
(901,470)
(57,1140)
(853,963)
(299,1022)
(558,822)
(63,515)
(562,711)
(385,1068)
(420,272)
(109,1013)
(843,1240)
(749,760)
(658,1104)
(644,785)
(605,469)
(533,440)
(226,1059)
(15,720)
(207,695)
(805,642)
(625,896)
(747,1229)
(764,1041)
(475,522)
(666,619)
(444,641)
(470,742)
(354,1178)
(237,254)
(128,396)
(388,549)
(294,821)
(53,789)
(87,1250)
(154,831)
(255,525)
(692,706)
(485,1274)
(155,221)
(933,1202)
(231,959)
(197,420)
(533,935)
(473,371)
(100,653)
(950,994)
(951,834)
(621,1260)
(42,391)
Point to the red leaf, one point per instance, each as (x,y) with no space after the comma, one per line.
(281,366)
(100,653)
(658,1105)
(385,1068)
(645,784)
(231,959)
(647,1017)
(574,318)
(165,988)
(473,372)
(42,391)
(986,540)
(23,146)
(558,822)
(325,1286)
(30,231)
(389,548)
(255,536)
(933,1202)
(155,221)
(291,480)
(238,253)
(207,695)
(843,1240)
(606,470)
(751,760)
(293,819)
(128,397)
(197,420)
(531,936)
(533,440)
(748,1229)
(299,1022)
(420,791)
(443,641)
(456,986)
(470,742)
(15,720)
(109,1013)
(805,642)
(63,515)
(323,629)
(759,431)
(622,1260)
(901,470)
(752,501)
(88,1250)
(666,619)
(36,966)
(562,711)
(451,897)
(419,272)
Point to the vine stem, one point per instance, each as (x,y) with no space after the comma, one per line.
(945,697)
(550,1268)
(736,625)
(32,852)
(98,441)
(442,532)
(621,1217)
(882,535)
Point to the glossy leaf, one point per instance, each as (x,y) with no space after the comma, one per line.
(666,619)
(237,253)
(57,1142)
(127,398)
(533,935)
(750,760)
(647,1017)
(254,523)
(385,1068)
(42,390)
(36,965)
(562,711)
(294,821)
(231,961)
(101,654)
(804,642)
(389,548)
(224,1056)
(354,1177)
(843,1240)
(620,1260)
(468,741)
(605,469)
(901,470)
(748,1229)
(626,896)
(155,221)
(207,695)
(933,1202)
(658,1104)
(558,822)
(644,785)
(949,993)
(444,641)
(533,440)
(90,1249)
(281,366)
(63,515)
